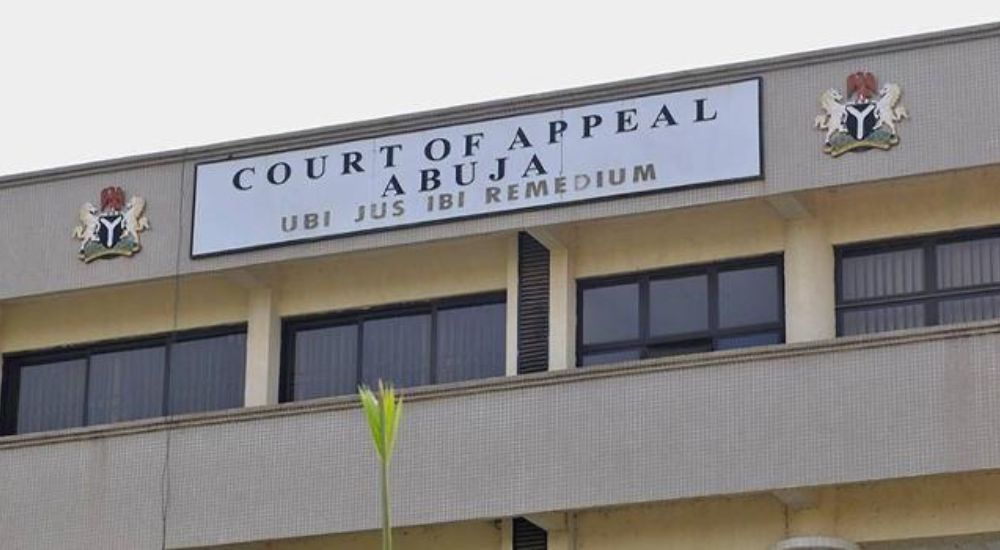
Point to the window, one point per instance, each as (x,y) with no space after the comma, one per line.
(105,383)
(907,283)
(686,310)
(436,342)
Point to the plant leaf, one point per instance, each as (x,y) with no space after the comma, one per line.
(373,414)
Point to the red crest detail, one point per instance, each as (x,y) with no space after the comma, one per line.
(112,198)
(863,84)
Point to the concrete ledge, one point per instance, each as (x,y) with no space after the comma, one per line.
(509,383)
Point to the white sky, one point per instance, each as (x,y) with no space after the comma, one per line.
(98,79)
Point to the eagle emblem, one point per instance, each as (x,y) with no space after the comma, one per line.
(112,230)
(863,118)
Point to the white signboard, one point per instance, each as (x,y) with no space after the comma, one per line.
(549,159)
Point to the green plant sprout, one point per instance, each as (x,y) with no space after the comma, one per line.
(383,411)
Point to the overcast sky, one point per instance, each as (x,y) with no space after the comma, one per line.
(95,79)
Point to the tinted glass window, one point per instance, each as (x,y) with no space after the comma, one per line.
(748,296)
(106,383)
(963,310)
(611,313)
(970,263)
(750,340)
(52,396)
(673,312)
(882,274)
(126,385)
(679,305)
(471,342)
(397,350)
(437,342)
(611,357)
(881,319)
(326,361)
(207,374)
(683,347)
(939,279)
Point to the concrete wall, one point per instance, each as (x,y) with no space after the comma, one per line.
(468,266)
(666,239)
(121,312)
(878,512)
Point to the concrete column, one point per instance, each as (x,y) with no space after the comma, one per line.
(559,527)
(811,519)
(562,299)
(809,282)
(560,540)
(506,534)
(263,348)
(511,361)
(562,311)
(815,543)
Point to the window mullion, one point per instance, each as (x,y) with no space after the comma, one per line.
(433,366)
(713,303)
(931,282)
(167,349)
(86,391)
(361,351)
(644,311)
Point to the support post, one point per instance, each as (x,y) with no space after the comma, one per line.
(512,286)
(562,299)
(809,282)
(263,348)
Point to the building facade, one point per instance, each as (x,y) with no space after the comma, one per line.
(752,306)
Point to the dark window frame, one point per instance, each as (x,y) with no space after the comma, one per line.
(931,295)
(644,343)
(357,317)
(14,362)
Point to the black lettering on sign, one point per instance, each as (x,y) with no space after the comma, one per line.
(700,111)
(352,163)
(238,183)
(278,179)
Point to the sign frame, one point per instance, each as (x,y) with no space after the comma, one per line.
(760,175)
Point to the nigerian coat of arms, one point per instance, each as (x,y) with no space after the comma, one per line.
(112,230)
(861,119)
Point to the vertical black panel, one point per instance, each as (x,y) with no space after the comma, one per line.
(532,305)
(528,536)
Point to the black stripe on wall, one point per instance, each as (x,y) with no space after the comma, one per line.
(528,536)
(532,305)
